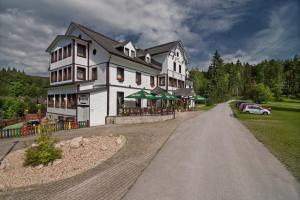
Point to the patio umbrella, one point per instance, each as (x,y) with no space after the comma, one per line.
(198,98)
(142,94)
(166,96)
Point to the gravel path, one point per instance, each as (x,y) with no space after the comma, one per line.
(211,157)
(113,178)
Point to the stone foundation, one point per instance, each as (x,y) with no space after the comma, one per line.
(137,119)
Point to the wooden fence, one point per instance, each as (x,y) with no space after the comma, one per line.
(28,130)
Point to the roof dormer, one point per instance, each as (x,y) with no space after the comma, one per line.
(148,58)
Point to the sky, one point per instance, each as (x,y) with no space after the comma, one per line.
(248,30)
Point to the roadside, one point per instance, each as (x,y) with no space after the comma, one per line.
(279,132)
(111,179)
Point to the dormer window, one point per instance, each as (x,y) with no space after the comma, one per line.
(177,54)
(148,59)
(126,51)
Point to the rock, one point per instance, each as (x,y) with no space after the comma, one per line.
(39,166)
(34,145)
(86,141)
(76,142)
(111,135)
(103,148)
(4,164)
(120,139)
(57,145)
(56,162)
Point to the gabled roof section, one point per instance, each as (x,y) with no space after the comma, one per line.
(111,45)
(162,48)
(184,92)
(59,37)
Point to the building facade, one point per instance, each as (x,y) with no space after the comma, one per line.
(91,74)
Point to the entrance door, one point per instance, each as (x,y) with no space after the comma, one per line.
(120,102)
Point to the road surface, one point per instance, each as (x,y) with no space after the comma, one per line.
(214,157)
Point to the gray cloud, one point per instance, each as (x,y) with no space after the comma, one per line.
(26,29)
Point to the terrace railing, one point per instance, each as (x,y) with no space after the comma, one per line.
(145,111)
(28,130)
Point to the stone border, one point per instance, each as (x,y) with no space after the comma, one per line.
(137,119)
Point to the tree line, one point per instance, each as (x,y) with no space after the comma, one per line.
(21,93)
(262,82)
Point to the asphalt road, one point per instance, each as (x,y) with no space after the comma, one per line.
(214,157)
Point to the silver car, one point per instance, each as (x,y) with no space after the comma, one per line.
(254,109)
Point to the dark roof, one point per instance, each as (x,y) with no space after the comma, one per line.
(162,48)
(58,37)
(157,90)
(184,92)
(110,45)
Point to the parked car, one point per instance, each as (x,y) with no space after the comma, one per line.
(239,102)
(243,105)
(255,109)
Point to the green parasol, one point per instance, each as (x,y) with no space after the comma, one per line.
(198,98)
(142,94)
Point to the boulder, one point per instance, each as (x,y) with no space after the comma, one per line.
(85,141)
(4,164)
(76,142)
(57,145)
(111,135)
(34,145)
(56,162)
(39,166)
(103,148)
(120,140)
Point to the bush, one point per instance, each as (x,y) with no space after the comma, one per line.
(261,93)
(44,153)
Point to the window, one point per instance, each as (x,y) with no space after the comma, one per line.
(65,77)
(69,50)
(179,68)
(120,74)
(81,50)
(81,73)
(94,51)
(126,51)
(60,54)
(147,59)
(138,78)
(57,104)
(120,102)
(94,73)
(60,75)
(71,101)
(69,77)
(177,54)
(174,66)
(132,53)
(52,57)
(162,81)
(50,101)
(172,82)
(138,103)
(63,101)
(55,56)
(152,84)
(65,52)
(53,76)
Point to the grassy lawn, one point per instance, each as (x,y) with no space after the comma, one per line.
(279,132)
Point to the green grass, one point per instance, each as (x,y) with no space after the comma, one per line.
(17,125)
(279,132)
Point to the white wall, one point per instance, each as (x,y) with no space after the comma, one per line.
(130,70)
(98,109)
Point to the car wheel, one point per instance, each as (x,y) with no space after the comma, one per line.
(265,113)
(247,112)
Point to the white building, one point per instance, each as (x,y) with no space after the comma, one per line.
(90,74)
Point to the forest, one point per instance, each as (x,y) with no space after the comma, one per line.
(265,81)
(20,93)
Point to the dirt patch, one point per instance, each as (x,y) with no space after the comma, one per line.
(92,152)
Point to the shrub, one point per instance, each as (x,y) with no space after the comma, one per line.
(44,153)
(261,93)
